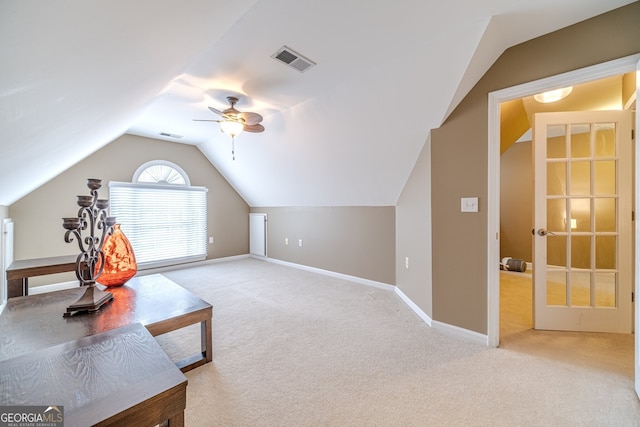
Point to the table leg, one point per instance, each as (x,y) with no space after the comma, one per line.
(205,339)
(17,287)
(176,420)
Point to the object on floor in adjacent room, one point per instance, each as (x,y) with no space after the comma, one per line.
(512,264)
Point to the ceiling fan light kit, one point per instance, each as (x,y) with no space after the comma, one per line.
(231,127)
(235,122)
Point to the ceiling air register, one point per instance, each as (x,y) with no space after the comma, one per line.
(293,59)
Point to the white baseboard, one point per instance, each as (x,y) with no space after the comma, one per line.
(465,334)
(424,316)
(157,270)
(53,287)
(355,279)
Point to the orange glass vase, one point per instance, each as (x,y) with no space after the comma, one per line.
(119,260)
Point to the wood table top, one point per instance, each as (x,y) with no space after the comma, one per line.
(33,322)
(106,378)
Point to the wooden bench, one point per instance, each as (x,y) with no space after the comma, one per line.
(18,272)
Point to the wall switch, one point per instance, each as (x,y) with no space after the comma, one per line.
(210,239)
(406,262)
(300,242)
(286,240)
(469,204)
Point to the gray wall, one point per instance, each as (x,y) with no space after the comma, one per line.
(37,216)
(459,153)
(516,202)
(358,241)
(413,234)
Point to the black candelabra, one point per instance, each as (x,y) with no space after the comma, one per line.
(90,229)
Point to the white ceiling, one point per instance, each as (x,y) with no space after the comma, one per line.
(76,75)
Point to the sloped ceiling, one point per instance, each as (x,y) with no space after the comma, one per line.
(77,75)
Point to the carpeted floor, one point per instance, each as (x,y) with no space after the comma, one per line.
(296,348)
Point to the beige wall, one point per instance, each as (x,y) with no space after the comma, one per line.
(459,153)
(516,202)
(413,235)
(37,216)
(358,241)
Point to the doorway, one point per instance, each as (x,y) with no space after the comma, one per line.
(620,66)
(617,67)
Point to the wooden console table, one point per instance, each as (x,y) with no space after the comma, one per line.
(19,272)
(33,322)
(120,377)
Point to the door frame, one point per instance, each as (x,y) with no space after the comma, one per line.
(595,72)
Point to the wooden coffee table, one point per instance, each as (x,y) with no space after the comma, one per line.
(120,377)
(33,322)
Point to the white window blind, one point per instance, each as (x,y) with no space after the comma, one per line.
(166,224)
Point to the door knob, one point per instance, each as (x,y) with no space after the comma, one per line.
(543,232)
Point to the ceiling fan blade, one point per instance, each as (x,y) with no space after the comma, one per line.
(257,128)
(250,118)
(218,112)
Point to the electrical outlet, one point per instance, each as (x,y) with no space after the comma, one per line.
(286,240)
(300,242)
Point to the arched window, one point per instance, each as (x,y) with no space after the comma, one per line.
(161,172)
(163,216)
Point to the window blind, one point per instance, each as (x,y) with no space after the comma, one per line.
(166,224)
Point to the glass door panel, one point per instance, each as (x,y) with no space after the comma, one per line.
(605,139)
(580,215)
(605,290)
(580,288)
(605,177)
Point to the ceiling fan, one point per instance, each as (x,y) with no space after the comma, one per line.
(235,122)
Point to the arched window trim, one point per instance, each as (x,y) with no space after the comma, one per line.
(150,164)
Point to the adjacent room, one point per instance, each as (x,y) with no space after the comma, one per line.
(211,216)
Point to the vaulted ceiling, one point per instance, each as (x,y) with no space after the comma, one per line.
(76,75)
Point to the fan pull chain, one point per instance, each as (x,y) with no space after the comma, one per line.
(233,147)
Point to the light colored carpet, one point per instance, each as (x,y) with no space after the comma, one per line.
(296,348)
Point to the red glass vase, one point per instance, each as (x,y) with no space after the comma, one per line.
(119,260)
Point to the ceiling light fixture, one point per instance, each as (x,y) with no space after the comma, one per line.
(232,127)
(553,95)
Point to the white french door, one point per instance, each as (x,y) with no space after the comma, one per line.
(582,221)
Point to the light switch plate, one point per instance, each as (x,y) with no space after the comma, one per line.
(469,204)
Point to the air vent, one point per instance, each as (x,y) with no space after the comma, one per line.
(170,135)
(293,59)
